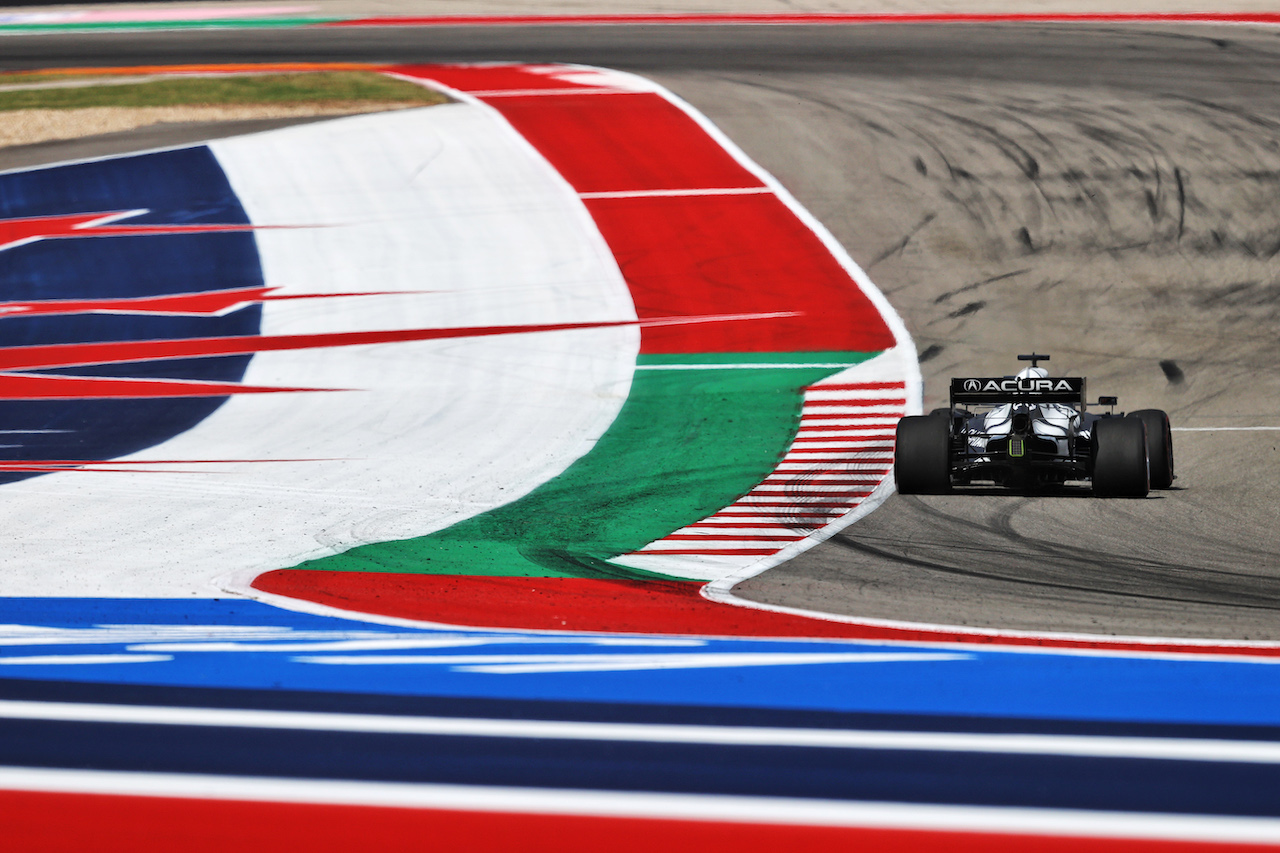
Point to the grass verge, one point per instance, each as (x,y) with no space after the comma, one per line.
(239,89)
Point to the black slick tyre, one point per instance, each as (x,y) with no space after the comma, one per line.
(1120,458)
(922,458)
(1159,446)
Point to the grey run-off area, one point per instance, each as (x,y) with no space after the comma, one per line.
(1110,195)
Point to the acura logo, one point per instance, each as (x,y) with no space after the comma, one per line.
(972,385)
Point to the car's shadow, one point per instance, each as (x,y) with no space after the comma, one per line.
(1068,491)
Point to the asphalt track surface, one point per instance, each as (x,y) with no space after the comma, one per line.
(1109,195)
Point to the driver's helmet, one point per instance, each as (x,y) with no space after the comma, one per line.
(1033,373)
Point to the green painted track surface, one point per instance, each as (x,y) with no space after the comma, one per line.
(686,443)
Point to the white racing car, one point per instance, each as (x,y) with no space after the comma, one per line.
(1032,431)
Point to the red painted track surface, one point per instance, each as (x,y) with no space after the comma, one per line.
(749,252)
(549,604)
(628,606)
(680,254)
(616,141)
(115,824)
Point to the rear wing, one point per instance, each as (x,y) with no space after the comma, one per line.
(987,390)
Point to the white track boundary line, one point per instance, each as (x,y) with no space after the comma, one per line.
(1212,653)
(1094,746)
(533,93)
(1227,429)
(747,366)
(693,193)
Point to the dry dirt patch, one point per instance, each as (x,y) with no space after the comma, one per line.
(51,106)
(25,127)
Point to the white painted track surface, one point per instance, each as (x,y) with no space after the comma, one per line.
(444,199)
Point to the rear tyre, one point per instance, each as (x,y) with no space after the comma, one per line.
(1120,458)
(922,458)
(1159,446)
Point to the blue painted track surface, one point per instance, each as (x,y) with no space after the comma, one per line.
(835,774)
(254,656)
(306,653)
(182,187)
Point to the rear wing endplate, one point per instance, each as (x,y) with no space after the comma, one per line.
(989,390)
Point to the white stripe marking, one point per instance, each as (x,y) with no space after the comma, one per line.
(33,431)
(679,193)
(795,456)
(682,545)
(790,512)
(533,664)
(795,516)
(846,483)
(808,447)
(845,456)
(1227,429)
(749,366)
(804,475)
(531,93)
(865,428)
(80,660)
(774,500)
(802,452)
(1095,746)
(755,519)
(815,466)
(736,530)
(849,394)
(804,490)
